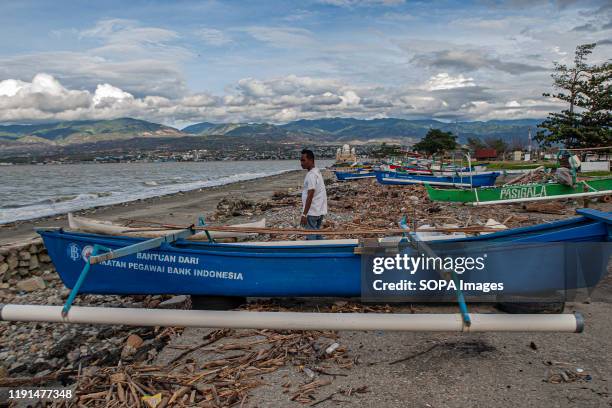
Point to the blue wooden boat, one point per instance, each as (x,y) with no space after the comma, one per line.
(289,268)
(455,180)
(353,175)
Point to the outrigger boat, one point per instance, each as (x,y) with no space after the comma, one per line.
(456,180)
(353,175)
(307,268)
(519,193)
(83,224)
(407,169)
(175,265)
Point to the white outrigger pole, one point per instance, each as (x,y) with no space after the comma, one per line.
(451,322)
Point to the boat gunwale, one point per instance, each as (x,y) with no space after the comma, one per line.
(242,251)
(433,187)
(394,175)
(578,222)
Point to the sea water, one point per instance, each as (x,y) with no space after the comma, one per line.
(32,191)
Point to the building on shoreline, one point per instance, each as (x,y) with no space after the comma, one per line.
(346,154)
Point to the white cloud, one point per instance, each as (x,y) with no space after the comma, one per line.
(43,97)
(444,80)
(10,87)
(106,93)
(199,100)
(276,100)
(281,37)
(354,3)
(350,98)
(212,36)
(139,59)
(557,50)
(128,31)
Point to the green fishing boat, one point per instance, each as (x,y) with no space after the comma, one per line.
(519,193)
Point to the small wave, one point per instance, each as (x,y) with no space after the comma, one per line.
(87,196)
(150,183)
(104,194)
(12,206)
(63,204)
(52,201)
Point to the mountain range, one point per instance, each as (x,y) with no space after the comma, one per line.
(329,130)
(86,131)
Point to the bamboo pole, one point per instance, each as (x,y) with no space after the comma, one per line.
(300,231)
(590,148)
(547,198)
(295,320)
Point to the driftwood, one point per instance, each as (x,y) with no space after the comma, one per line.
(524,177)
(225,380)
(211,338)
(554,207)
(324,231)
(410,357)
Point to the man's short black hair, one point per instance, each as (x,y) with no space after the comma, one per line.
(308,154)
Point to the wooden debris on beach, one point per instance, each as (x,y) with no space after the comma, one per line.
(305,392)
(535,175)
(553,207)
(234,362)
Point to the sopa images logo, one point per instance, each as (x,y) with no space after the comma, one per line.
(74,252)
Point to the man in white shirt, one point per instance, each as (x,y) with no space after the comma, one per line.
(314,196)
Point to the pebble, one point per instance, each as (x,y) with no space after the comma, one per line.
(332,348)
(309,373)
(43,373)
(131,345)
(176,302)
(32,284)
(74,355)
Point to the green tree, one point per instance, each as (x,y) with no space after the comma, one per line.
(475,143)
(436,141)
(498,144)
(597,104)
(386,150)
(586,90)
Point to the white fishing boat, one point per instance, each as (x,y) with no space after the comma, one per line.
(93,226)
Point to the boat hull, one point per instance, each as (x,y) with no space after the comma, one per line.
(409,170)
(394,178)
(323,268)
(346,175)
(517,192)
(207,269)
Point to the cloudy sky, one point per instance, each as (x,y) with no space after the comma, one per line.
(183,62)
